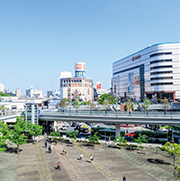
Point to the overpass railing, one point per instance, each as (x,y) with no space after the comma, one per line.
(112,113)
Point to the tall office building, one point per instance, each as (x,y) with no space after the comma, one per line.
(29,92)
(152,72)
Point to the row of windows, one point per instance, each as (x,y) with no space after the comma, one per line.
(163,66)
(162,83)
(166,60)
(163,72)
(66,81)
(162,53)
(159,78)
(71,85)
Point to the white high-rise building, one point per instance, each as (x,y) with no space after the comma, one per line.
(1,87)
(18,92)
(152,72)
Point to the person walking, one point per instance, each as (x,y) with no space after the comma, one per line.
(63,151)
(91,158)
(51,146)
(56,142)
(49,149)
(45,144)
(124,178)
(80,156)
(58,166)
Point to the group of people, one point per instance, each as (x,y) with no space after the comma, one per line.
(50,147)
(81,156)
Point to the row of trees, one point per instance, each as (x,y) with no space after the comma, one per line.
(16,133)
(105,99)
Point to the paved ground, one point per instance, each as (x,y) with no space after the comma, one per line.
(35,163)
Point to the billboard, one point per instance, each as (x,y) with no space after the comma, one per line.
(98,85)
(129,82)
(136,80)
(80,66)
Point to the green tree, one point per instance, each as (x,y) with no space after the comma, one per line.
(177,170)
(92,105)
(146,104)
(72,135)
(4,135)
(119,139)
(55,134)
(107,97)
(17,134)
(94,138)
(165,104)
(130,105)
(76,104)
(34,129)
(141,139)
(4,94)
(173,150)
(63,103)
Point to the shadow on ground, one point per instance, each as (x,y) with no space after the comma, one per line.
(157,161)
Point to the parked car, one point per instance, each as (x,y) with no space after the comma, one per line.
(78,127)
(64,127)
(73,124)
(84,130)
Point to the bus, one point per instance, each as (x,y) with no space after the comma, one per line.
(153,136)
(109,133)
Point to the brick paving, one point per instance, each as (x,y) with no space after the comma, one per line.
(35,163)
(8,164)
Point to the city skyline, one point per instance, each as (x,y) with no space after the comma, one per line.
(40,39)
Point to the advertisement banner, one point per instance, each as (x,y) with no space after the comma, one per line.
(98,85)
(136,80)
(129,82)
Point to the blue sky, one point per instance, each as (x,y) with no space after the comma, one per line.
(41,38)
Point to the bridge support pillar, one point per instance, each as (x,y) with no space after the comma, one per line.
(117,130)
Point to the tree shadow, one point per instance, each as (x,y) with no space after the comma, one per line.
(12,150)
(157,161)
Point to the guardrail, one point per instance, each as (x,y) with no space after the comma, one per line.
(112,113)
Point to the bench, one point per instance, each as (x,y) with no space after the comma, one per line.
(141,152)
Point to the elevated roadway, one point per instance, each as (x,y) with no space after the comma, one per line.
(153,118)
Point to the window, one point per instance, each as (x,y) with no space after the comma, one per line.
(163,66)
(163,72)
(162,83)
(162,53)
(159,78)
(157,61)
(80,80)
(72,81)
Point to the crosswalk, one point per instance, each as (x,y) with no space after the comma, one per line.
(42,166)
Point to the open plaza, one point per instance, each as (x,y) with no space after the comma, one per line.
(34,162)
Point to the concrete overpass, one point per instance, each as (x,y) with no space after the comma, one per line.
(9,118)
(113,118)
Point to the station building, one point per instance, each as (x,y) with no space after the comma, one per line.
(153,72)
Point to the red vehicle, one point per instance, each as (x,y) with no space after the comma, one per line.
(130,134)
